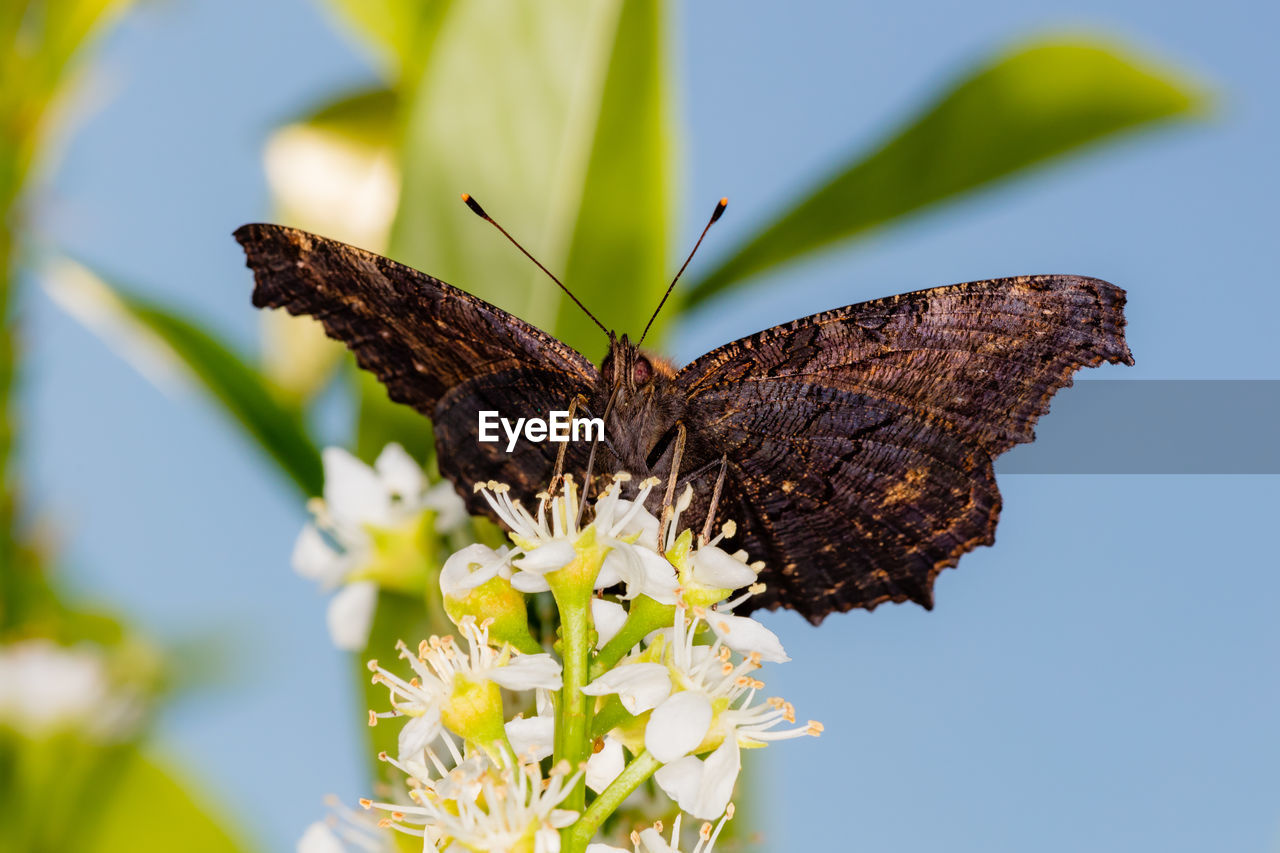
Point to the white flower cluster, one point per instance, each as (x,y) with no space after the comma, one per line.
(365,533)
(653,677)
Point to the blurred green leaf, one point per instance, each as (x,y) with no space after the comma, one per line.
(367,116)
(618,258)
(526,106)
(143,327)
(400,32)
(148,808)
(1034,105)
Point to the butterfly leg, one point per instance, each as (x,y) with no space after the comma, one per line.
(668,500)
(591,457)
(558,473)
(715,501)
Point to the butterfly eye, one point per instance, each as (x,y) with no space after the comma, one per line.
(606,368)
(641,371)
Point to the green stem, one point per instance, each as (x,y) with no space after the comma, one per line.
(575,838)
(9,515)
(573,742)
(645,615)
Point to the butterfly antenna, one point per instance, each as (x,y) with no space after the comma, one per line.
(715,215)
(479,211)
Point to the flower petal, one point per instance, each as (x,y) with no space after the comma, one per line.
(604,766)
(548,558)
(640,687)
(636,519)
(652,842)
(315,559)
(527,672)
(451,510)
(678,725)
(401,474)
(419,733)
(350,615)
(320,838)
(719,774)
(353,493)
(680,779)
(746,636)
(532,738)
(467,569)
(714,568)
(609,618)
(530,582)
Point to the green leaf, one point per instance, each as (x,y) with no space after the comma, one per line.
(554,115)
(149,808)
(161,336)
(400,32)
(618,258)
(1035,105)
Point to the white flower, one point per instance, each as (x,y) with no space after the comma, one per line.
(358,502)
(471,567)
(441,666)
(746,636)
(485,807)
(640,686)
(46,687)
(700,700)
(549,539)
(650,840)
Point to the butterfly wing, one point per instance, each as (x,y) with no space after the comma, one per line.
(436,348)
(860,440)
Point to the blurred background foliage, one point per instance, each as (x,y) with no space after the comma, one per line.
(77,687)
(559,116)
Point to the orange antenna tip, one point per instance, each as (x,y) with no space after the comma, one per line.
(715,215)
(475,206)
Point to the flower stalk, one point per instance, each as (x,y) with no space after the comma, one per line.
(576,837)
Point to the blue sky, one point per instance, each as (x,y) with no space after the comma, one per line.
(1104,678)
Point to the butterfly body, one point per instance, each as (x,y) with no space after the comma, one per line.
(857,444)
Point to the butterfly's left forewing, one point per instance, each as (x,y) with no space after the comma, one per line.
(859,441)
(438,349)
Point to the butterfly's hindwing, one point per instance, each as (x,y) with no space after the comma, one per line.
(863,437)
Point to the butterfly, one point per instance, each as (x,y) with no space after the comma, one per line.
(852,448)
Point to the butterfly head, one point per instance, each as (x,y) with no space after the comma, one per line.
(631,369)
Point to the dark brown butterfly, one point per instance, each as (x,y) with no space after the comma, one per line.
(856,444)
